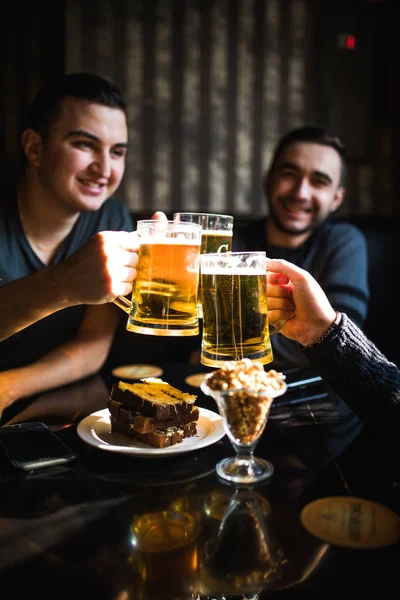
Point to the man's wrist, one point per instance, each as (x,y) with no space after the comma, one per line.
(336,322)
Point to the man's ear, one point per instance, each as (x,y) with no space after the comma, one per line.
(32,145)
(338,200)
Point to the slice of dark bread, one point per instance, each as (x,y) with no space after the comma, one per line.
(153,398)
(144,424)
(158,438)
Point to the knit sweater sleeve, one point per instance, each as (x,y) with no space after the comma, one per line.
(358,372)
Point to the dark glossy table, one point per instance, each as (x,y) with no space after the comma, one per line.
(67,532)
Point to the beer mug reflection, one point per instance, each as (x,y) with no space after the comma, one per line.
(165,558)
(240,556)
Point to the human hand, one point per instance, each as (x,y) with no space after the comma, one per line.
(159,216)
(313,313)
(280,301)
(102,270)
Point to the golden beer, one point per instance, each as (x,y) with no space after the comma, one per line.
(217,232)
(212,241)
(164,292)
(235,315)
(165,556)
(216,241)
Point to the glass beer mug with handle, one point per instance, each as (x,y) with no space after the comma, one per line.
(216,236)
(164,294)
(235,308)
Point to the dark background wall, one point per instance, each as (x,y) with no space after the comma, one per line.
(213,84)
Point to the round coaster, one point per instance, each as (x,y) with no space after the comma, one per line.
(351,522)
(196,379)
(137,371)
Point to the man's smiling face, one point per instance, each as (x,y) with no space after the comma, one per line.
(303,187)
(82,159)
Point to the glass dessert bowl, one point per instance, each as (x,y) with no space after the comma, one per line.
(244,392)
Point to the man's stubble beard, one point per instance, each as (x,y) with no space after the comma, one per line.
(287,230)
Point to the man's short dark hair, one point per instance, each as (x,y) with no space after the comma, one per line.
(86,86)
(315,135)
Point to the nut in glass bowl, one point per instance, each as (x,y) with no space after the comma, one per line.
(244,393)
(239,374)
(246,413)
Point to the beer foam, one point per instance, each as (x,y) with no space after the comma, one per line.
(235,270)
(218,232)
(152,240)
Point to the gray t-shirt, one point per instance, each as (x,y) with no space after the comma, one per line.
(17,259)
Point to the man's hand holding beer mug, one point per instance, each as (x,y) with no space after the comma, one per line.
(164,293)
(311,313)
(280,301)
(102,269)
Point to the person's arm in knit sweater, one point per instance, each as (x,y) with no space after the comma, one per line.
(336,348)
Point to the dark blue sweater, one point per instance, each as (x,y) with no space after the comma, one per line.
(336,256)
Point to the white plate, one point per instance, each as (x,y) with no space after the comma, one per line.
(96,431)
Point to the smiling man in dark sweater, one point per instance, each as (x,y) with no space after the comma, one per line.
(304,186)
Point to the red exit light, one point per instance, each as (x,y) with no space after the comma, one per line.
(347,41)
(350,42)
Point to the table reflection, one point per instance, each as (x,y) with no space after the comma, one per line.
(74,524)
(240,553)
(62,406)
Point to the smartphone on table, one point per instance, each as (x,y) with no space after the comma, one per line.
(33,446)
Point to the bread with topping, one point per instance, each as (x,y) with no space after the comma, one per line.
(153,412)
(159,437)
(153,397)
(145,424)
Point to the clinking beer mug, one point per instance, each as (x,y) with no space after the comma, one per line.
(216,236)
(235,308)
(164,292)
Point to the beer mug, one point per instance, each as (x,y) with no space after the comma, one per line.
(235,308)
(164,294)
(216,236)
(165,558)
